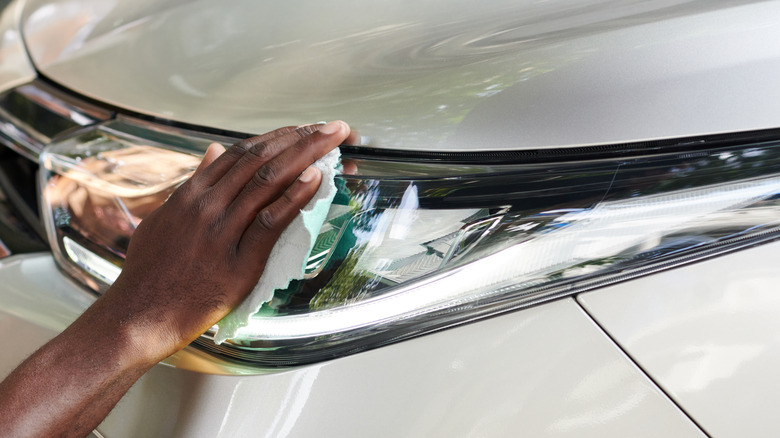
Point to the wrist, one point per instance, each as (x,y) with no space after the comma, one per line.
(135,336)
(155,328)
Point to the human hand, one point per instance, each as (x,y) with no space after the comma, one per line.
(201,253)
(188,264)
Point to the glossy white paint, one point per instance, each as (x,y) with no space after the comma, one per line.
(15,65)
(37,302)
(544,372)
(453,75)
(709,334)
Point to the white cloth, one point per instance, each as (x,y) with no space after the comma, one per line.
(288,257)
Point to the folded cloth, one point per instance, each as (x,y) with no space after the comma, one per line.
(288,257)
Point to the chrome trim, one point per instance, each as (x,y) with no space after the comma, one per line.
(186,140)
(32,115)
(64,103)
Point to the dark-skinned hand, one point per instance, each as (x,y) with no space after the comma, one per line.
(188,264)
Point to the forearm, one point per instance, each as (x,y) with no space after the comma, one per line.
(68,386)
(188,264)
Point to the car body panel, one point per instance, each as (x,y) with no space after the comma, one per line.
(446,76)
(548,371)
(439,76)
(15,66)
(709,334)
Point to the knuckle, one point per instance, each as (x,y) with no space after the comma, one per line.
(214,226)
(237,150)
(198,207)
(244,144)
(292,195)
(309,145)
(260,151)
(266,220)
(277,132)
(232,254)
(179,194)
(183,195)
(202,208)
(306,130)
(265,176)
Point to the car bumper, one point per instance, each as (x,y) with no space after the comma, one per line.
(708,335)
(545,371)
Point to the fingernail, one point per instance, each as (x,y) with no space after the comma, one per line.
(308,175)
(333,127)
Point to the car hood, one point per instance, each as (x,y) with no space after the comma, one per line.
(434,75)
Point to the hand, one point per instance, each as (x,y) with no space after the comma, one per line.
(202,252)
(188,264)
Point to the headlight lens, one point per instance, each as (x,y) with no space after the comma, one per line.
(99,184)
(413,246)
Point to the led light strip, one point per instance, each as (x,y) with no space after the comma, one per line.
(91,262)
(603,231)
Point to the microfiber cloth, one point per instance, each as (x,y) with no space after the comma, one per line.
(288,257)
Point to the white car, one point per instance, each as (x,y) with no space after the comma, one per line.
(562,221)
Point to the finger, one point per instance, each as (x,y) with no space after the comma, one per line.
(353,139)
(212,153)
(348,167)
(257,155)
(210,175)
(273,219)
(270,180)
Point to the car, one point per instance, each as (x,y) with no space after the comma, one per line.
(562,219)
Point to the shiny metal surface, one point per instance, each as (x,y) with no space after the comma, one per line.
(15,66)
(708,334)
(426,76)
(32,114)
(545,372)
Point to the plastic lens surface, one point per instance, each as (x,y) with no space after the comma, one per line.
(404,255)
(411,247)
(97,187)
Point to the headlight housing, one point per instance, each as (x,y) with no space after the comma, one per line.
(412,244)
(100,183)
(416,244)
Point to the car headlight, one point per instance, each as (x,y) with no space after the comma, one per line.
(414,244)
(99,184)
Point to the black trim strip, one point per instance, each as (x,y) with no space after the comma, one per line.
(576,153)
(146,117)
(533,156)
